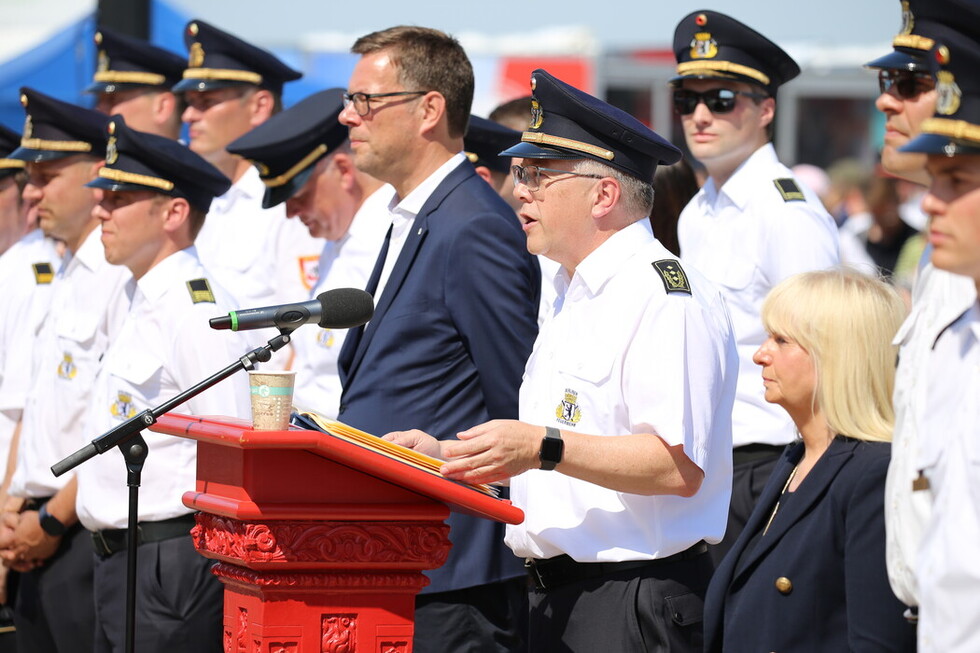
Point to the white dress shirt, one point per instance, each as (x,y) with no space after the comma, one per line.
(939,297)
(621,355)
(164,347)
(746,238)
(258,255)
(87,307)
(27,272)
(948,567)
(345,263)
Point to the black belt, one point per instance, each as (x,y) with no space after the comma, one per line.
(561,570)
(113,540)
(749,452)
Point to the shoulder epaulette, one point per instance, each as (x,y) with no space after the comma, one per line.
(43,273)
(672,274)
(200,291)
(789,190)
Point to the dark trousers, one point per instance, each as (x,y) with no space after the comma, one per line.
(654,608)
(751,469)
(179,602)
(54,611)
(483,619)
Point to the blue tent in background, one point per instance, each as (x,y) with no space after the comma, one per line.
(63,65)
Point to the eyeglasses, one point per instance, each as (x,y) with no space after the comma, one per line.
(718,100)
(362,101)
(908,84)
(530,176)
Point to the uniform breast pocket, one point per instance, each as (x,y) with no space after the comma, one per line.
(587,392)
(80,347)
(133,378)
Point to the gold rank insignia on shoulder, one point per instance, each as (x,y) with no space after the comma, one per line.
(200,291)
(672,274)
(43,273)
(789,190)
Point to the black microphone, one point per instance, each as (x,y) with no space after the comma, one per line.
(340,308)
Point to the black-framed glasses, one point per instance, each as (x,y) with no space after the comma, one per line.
(530,176)
(908,84)
(718,100)
(362,101)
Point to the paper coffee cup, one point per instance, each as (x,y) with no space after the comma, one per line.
(272,399)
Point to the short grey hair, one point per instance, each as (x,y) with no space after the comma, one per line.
(637,195)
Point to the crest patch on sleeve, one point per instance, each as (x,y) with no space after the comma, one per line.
(200,291)
(789,190)
(43,273)
(672,274)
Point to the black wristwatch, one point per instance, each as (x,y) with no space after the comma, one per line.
(49,523)
(552,448)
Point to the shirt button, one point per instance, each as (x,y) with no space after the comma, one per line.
(784,585)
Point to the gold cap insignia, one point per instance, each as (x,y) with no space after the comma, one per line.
(196,57)
(537,115)
(103,64)
(948,93)
(908,20)
(28,127)
(672,274)
(703,46)
(111,152)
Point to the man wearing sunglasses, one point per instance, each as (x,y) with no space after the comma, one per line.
(752,224)
(908,98)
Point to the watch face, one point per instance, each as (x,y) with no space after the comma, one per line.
(551,452)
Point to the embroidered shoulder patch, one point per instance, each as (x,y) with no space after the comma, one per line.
(43,273)
(200,291)
(789,190)
(672,274)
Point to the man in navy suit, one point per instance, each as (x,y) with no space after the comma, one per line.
(457,301)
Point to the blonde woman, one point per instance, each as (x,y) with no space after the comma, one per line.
(808,572)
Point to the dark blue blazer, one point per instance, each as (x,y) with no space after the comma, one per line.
(447,345)
(828,540)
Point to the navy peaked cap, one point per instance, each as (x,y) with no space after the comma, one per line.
(924,24)
(139,161)
(125,62)
(567,123)
(484,141)
(287,147)
(711,45)
(955,126)
(54,129)
(217,59)
(9,141)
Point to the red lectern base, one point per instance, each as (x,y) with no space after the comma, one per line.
(320,543)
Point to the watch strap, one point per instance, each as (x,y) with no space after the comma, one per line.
(49,523)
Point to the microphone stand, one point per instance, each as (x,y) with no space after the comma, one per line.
(128,437)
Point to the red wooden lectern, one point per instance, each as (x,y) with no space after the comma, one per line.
(321,542)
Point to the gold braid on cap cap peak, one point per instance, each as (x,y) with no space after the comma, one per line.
(693,67)
(113,174)
(568,144)
(913,41)
(307,160)
(129,77)
(7,164)
(56,146)
(955,129)
(224,74)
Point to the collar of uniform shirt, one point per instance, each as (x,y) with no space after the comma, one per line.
(603,263)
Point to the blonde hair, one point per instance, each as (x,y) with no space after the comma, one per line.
(845,321)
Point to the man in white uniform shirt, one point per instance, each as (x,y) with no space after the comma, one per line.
(751,225)
(231,87)
(908,97)
(947,456)
(621,460)
(154,197)
(63,146)
(304,160)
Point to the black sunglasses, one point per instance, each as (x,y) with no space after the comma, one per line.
(908,84)
(718,100)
